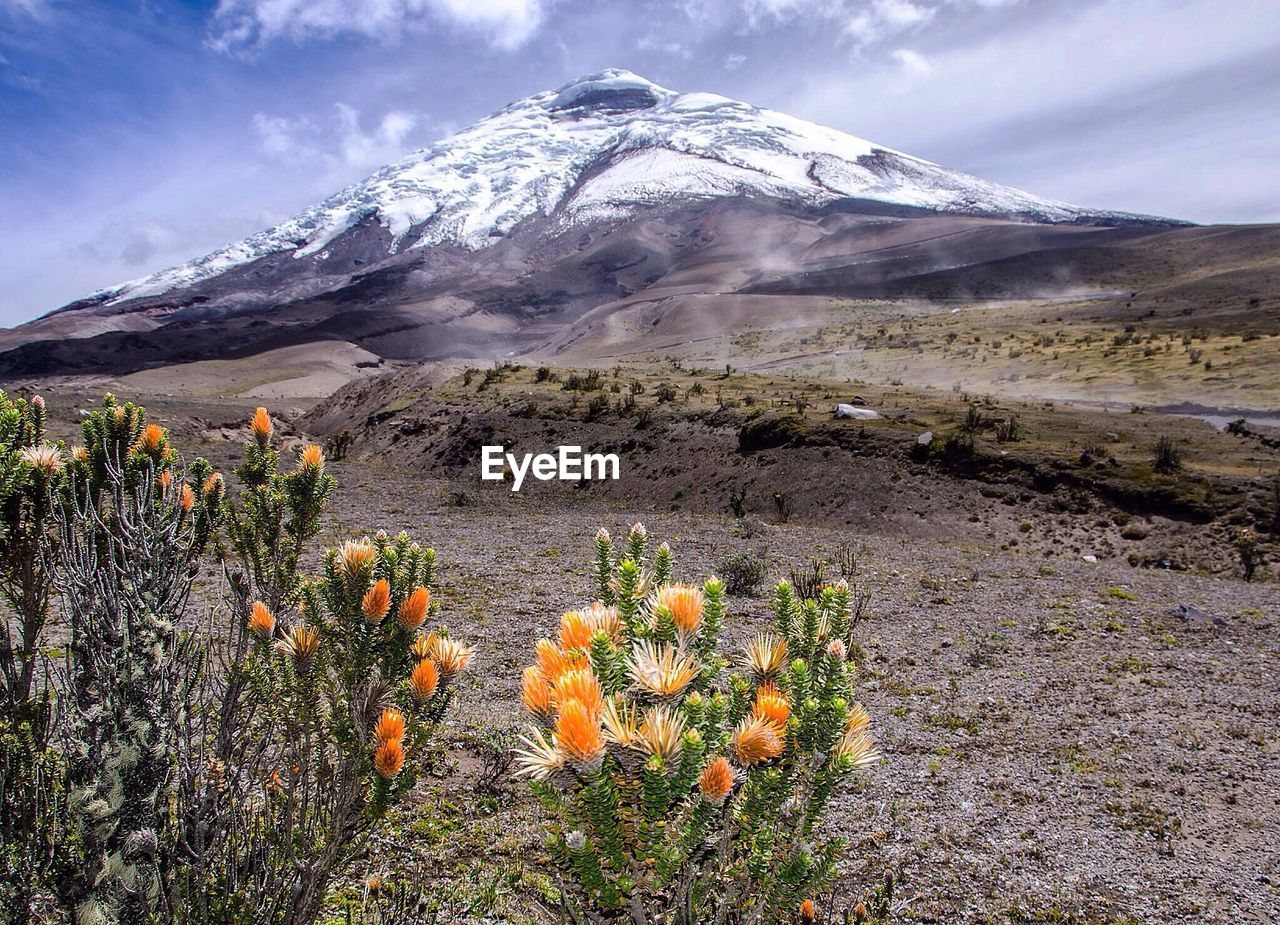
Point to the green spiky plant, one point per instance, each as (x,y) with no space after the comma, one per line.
(679,791)
(31,475)
(303,726)
(132,528)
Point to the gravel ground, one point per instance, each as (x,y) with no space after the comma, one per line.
(1058,746)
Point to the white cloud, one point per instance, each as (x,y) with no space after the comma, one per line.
(34,8)
(733,62)
(913,63)
(336,143)
(863,21)
(245,24)
(883,18)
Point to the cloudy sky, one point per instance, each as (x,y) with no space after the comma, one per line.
(136,135)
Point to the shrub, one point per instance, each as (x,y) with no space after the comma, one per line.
(742,572)
(678,793)
(206,777)
(132,529)
(766,432)
(1246,543)
(1166,456)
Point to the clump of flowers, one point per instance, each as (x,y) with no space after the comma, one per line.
(683,785)
(351,690)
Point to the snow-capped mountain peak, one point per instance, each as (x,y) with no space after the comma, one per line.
(598,149)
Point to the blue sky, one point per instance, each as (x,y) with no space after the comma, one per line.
(135,135)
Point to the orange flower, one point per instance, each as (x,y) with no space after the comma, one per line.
(807,912)
(554,661)
(716,780)
(165,479)
(581,684)
(353,557)
(213,487)
(413,610)
(772,705)
(152,439)
(388,758)
(575,630)
(376,601)
(685,603)
(186,499)
(312,457)
(261,620)
(390,725)
(260,424)
(755,740)
(425,679)
(578,735)
(536,693)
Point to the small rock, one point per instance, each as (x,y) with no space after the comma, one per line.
(925,438)
(1090,558)
(1192,612)
(946,642)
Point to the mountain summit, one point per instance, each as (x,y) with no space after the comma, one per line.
(598,149)
(550,207)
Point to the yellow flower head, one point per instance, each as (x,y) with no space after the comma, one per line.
(661,670)
(621,725)
(451,657)
(300,645)
(45,458)
(425,646)
(540,758)
(662,730)
(766,656)
(354,556)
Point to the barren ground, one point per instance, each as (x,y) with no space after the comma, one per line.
(1058,745)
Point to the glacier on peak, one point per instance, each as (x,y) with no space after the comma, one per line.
(597,149)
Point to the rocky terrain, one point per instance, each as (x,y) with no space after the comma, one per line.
(1064,740)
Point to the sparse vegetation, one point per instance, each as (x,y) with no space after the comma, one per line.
(675,794)
(742,572)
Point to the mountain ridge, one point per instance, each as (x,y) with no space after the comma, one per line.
(569,204)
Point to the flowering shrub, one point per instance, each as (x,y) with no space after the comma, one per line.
(677,792)
(198,777)
(330,689)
